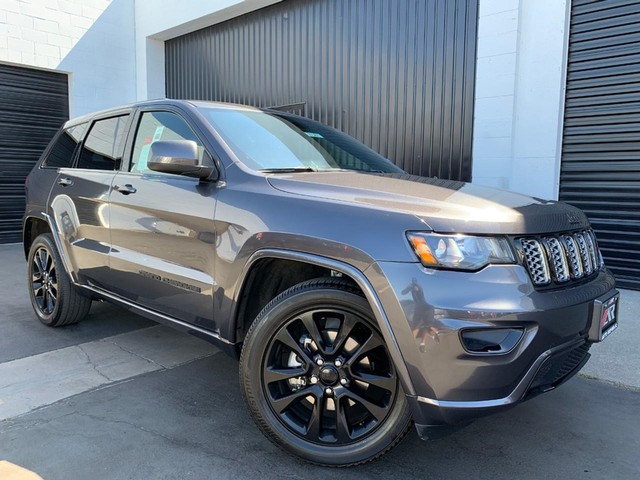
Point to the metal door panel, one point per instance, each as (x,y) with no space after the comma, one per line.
(163,245)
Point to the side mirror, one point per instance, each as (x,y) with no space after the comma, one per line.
(179,157)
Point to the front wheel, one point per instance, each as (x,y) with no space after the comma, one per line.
(318,379)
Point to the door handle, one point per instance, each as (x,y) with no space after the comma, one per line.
(65,182)
(125,189)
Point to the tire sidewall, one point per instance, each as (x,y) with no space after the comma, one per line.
(254,350)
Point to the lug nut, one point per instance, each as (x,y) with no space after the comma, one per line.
(313,379)
(328,391)
(338,363)
(319,361)
(343,381)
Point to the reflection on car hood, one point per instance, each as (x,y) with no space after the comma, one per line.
(444,205)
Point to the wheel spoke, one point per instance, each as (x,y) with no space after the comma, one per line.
(285,337)
(313,426)
(343,433)
(282,403)
(37,263)
(45,300)
(52,295)
(50,303)
(378,412)
(346,326)
(48,262)
(382,381)
(374,341)
(37,289)
(43,260)
(312,329)
(272,374)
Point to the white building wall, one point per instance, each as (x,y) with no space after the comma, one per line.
(520,78)
(160,20)
(90,39)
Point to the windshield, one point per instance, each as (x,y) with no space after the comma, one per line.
(275,141)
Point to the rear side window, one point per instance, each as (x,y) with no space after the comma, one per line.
(61,154)
(101,149)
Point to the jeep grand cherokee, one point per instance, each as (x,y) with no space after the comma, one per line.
(358,298)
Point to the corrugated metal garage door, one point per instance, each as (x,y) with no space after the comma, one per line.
(601,147)
(33,105)
(398,75)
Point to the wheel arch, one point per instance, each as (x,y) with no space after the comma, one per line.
(35,224)
(327,264)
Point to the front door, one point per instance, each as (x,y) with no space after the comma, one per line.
(162,229)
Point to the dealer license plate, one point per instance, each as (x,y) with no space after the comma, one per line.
(605,318)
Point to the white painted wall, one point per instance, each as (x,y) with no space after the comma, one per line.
(520,79)
(90,39)
(160,20)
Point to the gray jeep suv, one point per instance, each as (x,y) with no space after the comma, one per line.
(358,298)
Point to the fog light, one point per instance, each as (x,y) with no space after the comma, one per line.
(491,340)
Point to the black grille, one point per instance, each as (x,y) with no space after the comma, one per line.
(558,368)
(561,258)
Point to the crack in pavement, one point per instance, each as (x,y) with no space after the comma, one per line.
(162,367)
(93,365)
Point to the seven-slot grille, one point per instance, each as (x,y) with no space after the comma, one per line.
(562,257)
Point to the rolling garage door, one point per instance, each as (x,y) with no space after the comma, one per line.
(398,75)
(601,147)
(33,105)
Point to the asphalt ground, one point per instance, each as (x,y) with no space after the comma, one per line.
(118,397)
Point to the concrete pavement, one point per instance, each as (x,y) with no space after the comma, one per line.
(190,423)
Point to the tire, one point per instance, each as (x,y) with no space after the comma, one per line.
(55,300)
(323,420)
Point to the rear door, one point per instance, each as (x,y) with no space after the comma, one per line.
(78,203)
(162,227)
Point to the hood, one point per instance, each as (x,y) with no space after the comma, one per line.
(443,205)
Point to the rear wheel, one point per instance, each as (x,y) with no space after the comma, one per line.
(55,300)
(318,379)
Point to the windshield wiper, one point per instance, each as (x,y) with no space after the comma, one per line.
(288,170)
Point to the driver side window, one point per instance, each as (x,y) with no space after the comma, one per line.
(156,126)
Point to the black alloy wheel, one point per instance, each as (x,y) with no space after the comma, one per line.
(328,376)
(56,301)
(44,281)
(318,378)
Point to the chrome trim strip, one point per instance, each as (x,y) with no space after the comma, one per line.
(160,317)
(363,283)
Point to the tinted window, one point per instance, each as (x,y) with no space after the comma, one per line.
(267,140)
(156,126)
(61,154)
(101,148)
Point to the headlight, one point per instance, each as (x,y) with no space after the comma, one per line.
(460,252)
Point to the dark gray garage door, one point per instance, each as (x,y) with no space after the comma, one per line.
(601,149)
(33,105)
(398,75)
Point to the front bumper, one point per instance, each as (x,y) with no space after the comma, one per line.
(428,309)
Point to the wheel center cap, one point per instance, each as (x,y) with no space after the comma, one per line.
(329,375)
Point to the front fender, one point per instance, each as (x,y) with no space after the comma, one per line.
(356,275)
